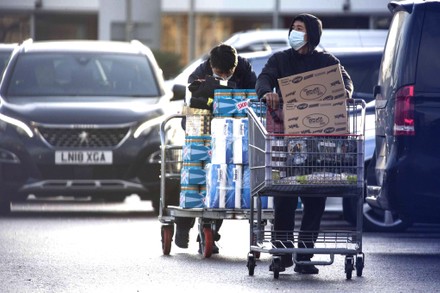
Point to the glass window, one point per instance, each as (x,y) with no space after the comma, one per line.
(4,58)
(363,71)
(394,42)
(74,74)
(428,66)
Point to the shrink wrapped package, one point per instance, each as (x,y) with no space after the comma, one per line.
(241,142)
(216,185)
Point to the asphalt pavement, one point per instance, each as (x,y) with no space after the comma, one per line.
(72,246)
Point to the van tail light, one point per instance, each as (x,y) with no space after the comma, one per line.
(404,111)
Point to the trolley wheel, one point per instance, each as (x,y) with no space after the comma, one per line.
(349,266)
(207,242)
(276,267)
(359,264)
(251,264)
(167,232)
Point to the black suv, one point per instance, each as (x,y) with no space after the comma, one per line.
(406,166)
(80,118)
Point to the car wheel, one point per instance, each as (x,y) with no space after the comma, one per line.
(383,220)
(374,219)
(5,207)
(5,203)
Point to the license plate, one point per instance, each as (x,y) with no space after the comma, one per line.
(83,157)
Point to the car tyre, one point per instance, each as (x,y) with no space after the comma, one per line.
(5,203)
(374,219)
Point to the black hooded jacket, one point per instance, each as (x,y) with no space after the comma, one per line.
(290,62)
(243,77)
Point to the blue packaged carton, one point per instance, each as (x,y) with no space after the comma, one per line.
(192,174)
(190,197)
(196,152)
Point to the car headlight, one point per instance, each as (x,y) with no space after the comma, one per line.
(20,126)
(147,126)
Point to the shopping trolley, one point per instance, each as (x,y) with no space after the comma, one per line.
(171,165)
(312,165)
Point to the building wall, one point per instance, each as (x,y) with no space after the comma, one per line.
(144,16)
(80,19)
(286,7)
(47,19)
(165,24)
(215,21)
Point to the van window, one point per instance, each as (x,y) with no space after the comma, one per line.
(394,42)
(428,66)
(363,72)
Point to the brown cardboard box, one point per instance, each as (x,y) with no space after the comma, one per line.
(316,85)
(314,102)
(324,117)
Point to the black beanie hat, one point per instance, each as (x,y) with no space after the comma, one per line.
(313,27)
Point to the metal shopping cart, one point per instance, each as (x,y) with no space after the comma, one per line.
(315,166)
(171,165)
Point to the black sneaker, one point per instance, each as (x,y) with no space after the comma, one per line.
(215,249)
(306,269)
(286,262)
(282,269)
(182,238)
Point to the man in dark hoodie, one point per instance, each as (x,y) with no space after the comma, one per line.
(225,65)
(304,35)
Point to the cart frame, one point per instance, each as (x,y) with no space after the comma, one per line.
(170,169)
(346,242)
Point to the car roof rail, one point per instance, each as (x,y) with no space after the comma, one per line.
(395,6)
(27,41)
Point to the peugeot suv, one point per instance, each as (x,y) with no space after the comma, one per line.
(81,119)
(405,169)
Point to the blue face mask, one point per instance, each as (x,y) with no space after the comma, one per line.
(296,40)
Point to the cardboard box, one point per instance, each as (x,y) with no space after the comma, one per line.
(325,117)
(314,102)
(317,85)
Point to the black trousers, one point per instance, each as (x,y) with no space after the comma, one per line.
(284,219)
(185,224)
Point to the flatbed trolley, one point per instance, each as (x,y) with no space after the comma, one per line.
(171,163)
(314,165)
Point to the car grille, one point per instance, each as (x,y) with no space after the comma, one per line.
(83,137)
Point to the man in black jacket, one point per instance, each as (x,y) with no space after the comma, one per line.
(304,35)
(225,65)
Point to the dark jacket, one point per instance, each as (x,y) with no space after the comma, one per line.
(289,62)
(243,77)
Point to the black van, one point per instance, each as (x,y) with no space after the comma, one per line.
(403,177)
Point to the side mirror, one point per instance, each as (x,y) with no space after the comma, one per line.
(179,92)
(376,90)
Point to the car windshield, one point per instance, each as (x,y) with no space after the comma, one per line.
(82,74)
(4,58)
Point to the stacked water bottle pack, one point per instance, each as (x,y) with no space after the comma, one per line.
(228,175)
(196,154)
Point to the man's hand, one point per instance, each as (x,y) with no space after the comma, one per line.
(272,100)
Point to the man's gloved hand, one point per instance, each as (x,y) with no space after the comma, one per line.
(201,103)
